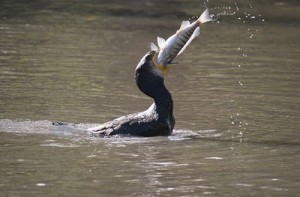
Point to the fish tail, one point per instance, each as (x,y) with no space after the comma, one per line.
(205,17)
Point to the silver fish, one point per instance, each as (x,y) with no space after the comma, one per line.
(177,43)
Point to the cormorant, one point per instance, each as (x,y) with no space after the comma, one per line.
(158,119)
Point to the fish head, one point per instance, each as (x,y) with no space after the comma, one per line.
(165,69)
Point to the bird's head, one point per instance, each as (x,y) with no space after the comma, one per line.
(148,76)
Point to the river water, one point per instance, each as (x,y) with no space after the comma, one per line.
(235,90)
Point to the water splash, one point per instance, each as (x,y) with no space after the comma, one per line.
(42,127)
(78,132)
(245,14)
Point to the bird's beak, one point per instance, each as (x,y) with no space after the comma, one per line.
(164,69)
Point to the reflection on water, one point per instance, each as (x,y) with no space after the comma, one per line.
(235,93)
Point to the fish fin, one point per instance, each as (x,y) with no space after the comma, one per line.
(205,17)
(184,24)
(153,47)
(194,35)
(161,42)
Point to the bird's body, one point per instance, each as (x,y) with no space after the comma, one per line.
(158,119)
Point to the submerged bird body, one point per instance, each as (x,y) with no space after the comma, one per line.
(177,43)
(158,119)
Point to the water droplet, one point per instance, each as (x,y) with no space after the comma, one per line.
(236,5)
(216,158)
(41,184)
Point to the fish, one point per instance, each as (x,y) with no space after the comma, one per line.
(175,45)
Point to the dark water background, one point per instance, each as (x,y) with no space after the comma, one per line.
(235,89)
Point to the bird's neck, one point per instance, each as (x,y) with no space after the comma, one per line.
(164,102)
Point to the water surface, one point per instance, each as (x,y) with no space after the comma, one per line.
(235,91)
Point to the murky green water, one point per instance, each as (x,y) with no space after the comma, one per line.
(235,89)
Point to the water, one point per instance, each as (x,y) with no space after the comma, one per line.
(235,91)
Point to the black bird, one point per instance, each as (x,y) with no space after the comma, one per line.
(158,119)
